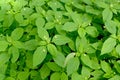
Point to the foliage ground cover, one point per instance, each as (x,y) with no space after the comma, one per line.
(59,39)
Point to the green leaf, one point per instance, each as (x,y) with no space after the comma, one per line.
(86,20)
(44,71)
(81,32)
(40,22)
(19,17)
(18,44)
(118,49)
(30,44)
(73,65)
(4,58)
(69,56)
(3,45)
(91,10)
(117,66)
(29,60)
(53,66)
(59,59)
(43,34)
(55,5)
(107,14)
(111,26)
(64,76)
(17,33)
(23,75)
(2,76)
(97,73)
(116,77)
(15,54)
(76,76)
(108,45)
(95,63)
(8,20)
(60,39)
(55,76)
(69,26)
(77,18)
(49,25)
(101,4)
(9,78)
(39,55)
(92,31)
(105,67)
(86,60)
(85,72)
(52,49)
(3,68)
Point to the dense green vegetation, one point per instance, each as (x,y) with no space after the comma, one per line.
(59,39)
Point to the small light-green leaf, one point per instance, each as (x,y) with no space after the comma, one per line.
(3,58)
(77,18)
(53,66)
(9,78)
(69,56)
(81,32)
(118,49)
(17,33)
(40,22)
(19,17)
(76,76)
(43,34)
(92,31)
(3,45)
(8,20)
(69,26)
(15,54)
(30,44)
(52,49)
(85,72)
(44,71)
(107,14)
(111,26)
(55,76)
(23,75)
(59,59)
(106,67)
(18,44)
(64,76)
(73,65)
(108,45)
(39,55)
(49,25)
(86,60)
(60,39)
